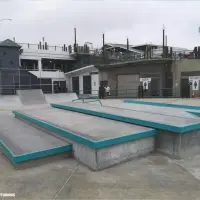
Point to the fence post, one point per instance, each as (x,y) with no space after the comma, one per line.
(19,79)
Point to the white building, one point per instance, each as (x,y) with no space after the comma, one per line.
(84,80)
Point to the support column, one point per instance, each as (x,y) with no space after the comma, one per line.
(176,75)
(40,64)
(52,84)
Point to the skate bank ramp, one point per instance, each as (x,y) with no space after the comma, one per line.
(31,97)
(60,97)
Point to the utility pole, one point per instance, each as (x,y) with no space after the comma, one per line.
(163,41)
(75,44)
(127,44)
(103,47)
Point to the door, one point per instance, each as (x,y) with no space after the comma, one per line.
(127,85)
(75,84)
(87,84)
(185,88)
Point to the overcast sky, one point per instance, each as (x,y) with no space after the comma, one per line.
(140,21)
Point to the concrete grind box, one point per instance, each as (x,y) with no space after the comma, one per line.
(99,159)
(178,145)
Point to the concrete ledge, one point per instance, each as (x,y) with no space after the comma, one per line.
(163,104)
(99,159)
(179,146)
(33,155)
(93,144)
(132,120)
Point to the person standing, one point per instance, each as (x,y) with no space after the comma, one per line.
(107,89)
(101,92)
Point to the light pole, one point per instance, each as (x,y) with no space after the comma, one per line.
(5,20)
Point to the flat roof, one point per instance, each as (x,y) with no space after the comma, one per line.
(135,62)
(83,69)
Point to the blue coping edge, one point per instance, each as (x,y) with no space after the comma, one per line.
(83,140)
(163,104)
(175,129)
(194,113)
(33,155)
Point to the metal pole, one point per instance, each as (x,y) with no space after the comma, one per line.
(127,44)
(163,41)
(75,49)
(40,78)
(19,79)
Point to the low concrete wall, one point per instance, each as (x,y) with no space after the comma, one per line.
(100,159)
(179,146)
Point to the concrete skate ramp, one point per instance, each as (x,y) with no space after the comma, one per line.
(152,120)
(9,102)
(61,97)
(178,137)
(21,142)
(31,97)
(99,143)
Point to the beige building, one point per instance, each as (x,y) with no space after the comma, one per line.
(169,78)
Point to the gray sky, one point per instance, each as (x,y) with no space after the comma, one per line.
(141,21)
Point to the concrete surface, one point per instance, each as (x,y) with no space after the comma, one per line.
(178,112)
(31,97)
(181,101)
(151,178)
(150,117)
(98,159)
(61,97)
(91,127)
(179,146)
(11,102)
(23,138)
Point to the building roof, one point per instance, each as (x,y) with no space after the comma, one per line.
(9,43)
(86,69)
(135,63)
(124,46)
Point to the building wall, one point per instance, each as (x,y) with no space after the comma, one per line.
(9,57)
(181,70)
(94,82)
(143,71)
(38,54)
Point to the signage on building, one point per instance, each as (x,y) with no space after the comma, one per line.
(191,78)
(145,82)
(145,85)
(195,84)
(145,79)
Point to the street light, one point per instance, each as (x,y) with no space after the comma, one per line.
(5,20)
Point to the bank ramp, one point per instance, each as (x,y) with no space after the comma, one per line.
(98,143)
(31,97)
(21,142)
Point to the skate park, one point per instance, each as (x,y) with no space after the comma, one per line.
(41,126)
(38,137)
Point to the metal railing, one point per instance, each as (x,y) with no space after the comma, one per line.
(129,93)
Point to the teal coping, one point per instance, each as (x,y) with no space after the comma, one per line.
(33,155)
(162,104)
(174,129)
(94,144)
(194,113)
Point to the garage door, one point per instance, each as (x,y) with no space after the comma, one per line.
(127,85)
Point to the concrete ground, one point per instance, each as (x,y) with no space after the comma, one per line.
(152,177)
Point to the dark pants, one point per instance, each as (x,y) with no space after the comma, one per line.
(101,95)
